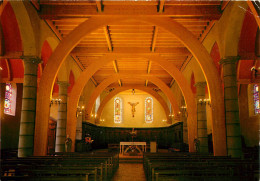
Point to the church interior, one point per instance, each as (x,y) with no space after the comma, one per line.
(92,89)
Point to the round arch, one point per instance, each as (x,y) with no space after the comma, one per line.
(142,88)
(113,78)
(26,28)
(186,37)
(232,32)
(169,67)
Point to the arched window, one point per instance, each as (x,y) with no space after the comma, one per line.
(256,99)
(149,110)
(97,104)
(118,110)
(10,99)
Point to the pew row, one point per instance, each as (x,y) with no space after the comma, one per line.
(62,166)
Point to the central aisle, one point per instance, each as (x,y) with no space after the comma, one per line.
(129,172)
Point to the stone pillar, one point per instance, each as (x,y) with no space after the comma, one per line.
(80,116)
(62,117)
(26,134)
(233,131)
(183,119)
(202,117)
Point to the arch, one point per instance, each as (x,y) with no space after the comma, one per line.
(115,77)
(25,27)
(71,81)
(10,30)
(186,37)
(46,52)
(231,34)
(142,88)
(192,83)
(215,55)
(169,67)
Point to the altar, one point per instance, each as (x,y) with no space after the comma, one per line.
(125,146)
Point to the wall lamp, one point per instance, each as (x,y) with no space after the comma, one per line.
(184,111)
(93,115)
(171,115)
(55,101)
(204,101)
(80,110)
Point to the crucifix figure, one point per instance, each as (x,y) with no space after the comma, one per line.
(133,107)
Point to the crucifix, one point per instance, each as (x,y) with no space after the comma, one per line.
(133,107)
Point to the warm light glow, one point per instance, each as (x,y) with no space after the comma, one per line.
(149,110)
(118,107)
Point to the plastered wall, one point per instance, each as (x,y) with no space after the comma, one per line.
(139,119)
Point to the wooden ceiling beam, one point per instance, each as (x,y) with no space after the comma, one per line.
(85,51)
(203,12)
(120,82)
(148,71)
(115,66)
(192,2)
(161,6)
(99,6)
(117,71)
(105,72)
(109,44)
(94,81)
(51,2)
(164,76)
(155,33)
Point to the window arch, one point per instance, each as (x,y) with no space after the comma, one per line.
(10,99)
(149,110)
(256,99)
(118,107)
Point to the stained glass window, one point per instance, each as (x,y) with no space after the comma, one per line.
(149,110)
(8,98)
(256,99)
(118,110)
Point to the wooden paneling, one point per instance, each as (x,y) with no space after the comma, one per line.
(165,137)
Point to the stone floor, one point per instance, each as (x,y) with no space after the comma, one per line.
(130,172)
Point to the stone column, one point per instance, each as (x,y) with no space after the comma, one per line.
(26,134)
(233,131)
(202,117)
(80,116)
(62,117)
(183,119)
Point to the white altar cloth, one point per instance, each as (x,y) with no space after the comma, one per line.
(123,144)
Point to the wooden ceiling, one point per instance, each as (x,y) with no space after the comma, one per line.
(131,36)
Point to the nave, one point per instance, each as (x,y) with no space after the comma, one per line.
(82,76)
(102,165)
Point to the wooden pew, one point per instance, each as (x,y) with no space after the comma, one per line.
(85,167)
(178,166)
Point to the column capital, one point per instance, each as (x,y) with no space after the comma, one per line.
(63,83)
(200,84)
(229,60)
(31,59)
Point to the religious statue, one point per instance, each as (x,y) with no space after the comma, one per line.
(133,107)
(68,143)
(197,145)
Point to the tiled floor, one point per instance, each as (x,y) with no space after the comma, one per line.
(130,172)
